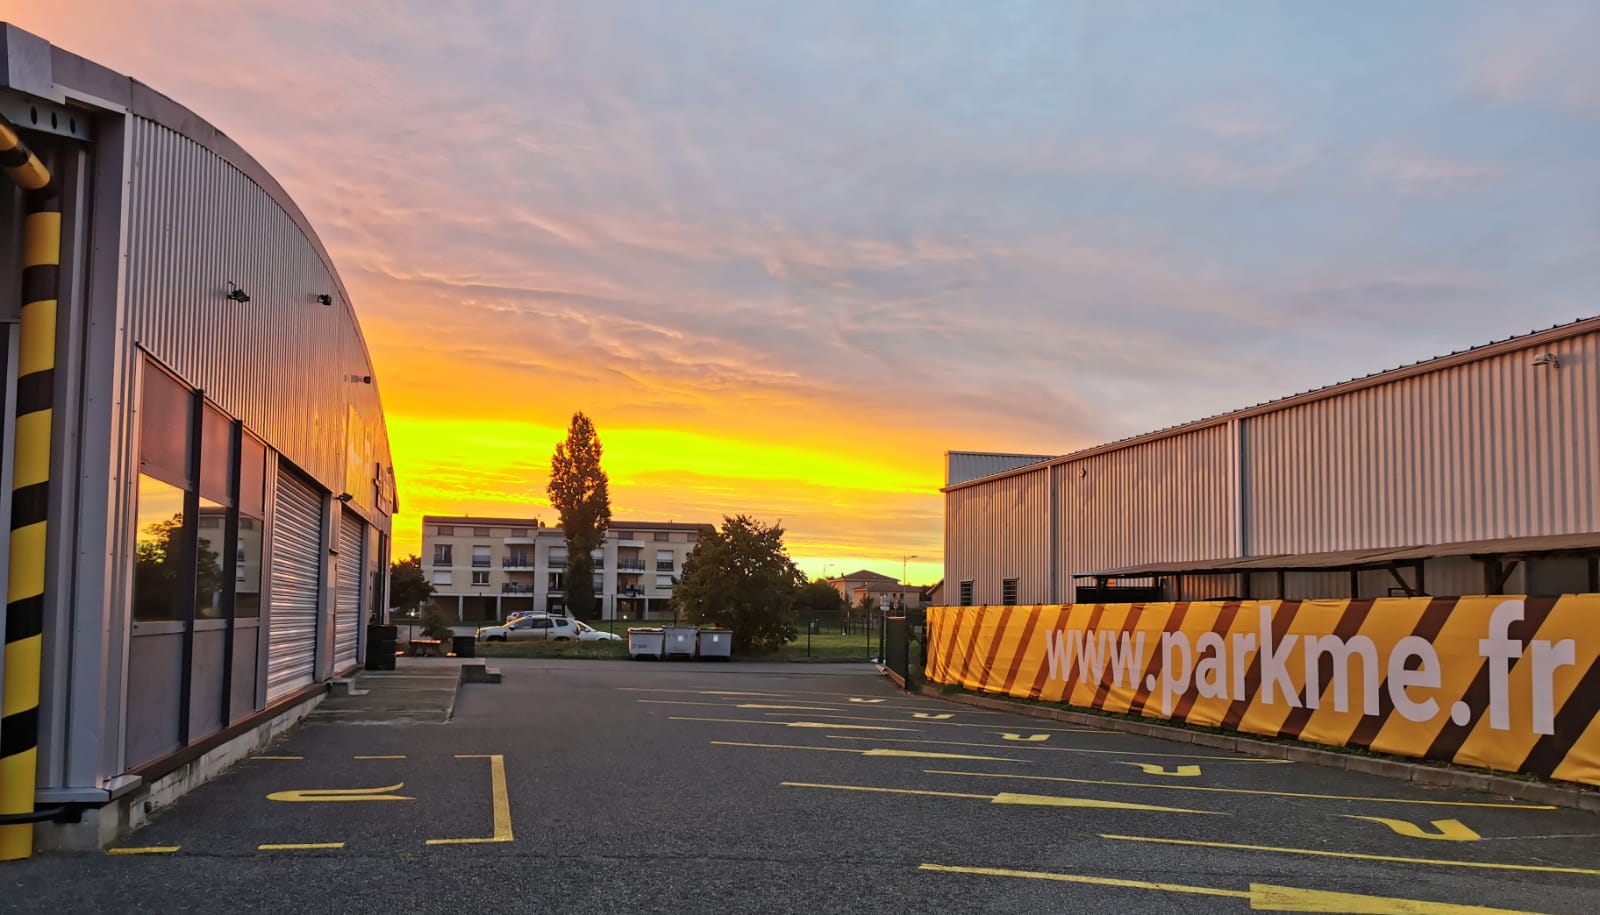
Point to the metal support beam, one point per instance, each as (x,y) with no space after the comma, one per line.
(1594,573)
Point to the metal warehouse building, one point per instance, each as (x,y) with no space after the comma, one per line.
(1474,473)
(195,465)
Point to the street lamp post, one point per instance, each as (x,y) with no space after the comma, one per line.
(903,568)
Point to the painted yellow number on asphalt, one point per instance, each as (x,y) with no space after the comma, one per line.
(1261,896)
(1447,830)
(1177,772)
(1030,738)
(336,795)
(854,699)
(931,716)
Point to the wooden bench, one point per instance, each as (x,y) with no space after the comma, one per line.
(427,648)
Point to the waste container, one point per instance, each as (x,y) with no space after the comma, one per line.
(465,646)
(680,641)
(381,644)
(716,643)
(645,642)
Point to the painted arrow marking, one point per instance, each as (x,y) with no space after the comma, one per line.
(1030,738)
(931,716)
(1189,771)
(333,795)
(1262,896)
(1449,830)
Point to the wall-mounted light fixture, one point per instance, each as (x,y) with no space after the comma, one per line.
(344,497)
(324,298)
(1550,359)
(237,294)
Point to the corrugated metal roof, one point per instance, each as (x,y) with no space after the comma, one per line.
(1551,334)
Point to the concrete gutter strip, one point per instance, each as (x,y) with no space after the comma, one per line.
(1417,773)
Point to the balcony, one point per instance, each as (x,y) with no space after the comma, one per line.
(518,563)
(558,562)
(444,561)
(630,565)
(516,589)
(663,567)
(630,592)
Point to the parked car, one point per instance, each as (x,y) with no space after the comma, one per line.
(536,626)
(587,633)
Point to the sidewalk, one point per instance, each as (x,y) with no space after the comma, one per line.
(417,691)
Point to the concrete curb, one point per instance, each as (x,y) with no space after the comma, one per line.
(1417,773)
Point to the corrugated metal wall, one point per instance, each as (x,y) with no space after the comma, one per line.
(1169,500)
(997,532)
(1493,448)
(1490,448)
(195,224)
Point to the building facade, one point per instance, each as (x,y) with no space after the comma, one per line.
(194,439)
(488,568)
(1473,473)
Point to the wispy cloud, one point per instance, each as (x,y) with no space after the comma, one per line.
(788,254)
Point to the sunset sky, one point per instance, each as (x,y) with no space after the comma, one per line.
(785,255)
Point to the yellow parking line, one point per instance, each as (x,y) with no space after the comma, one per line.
(1319,797)
(976,797)
(1075,878)
(502,803)
(794,724)
(783,746)
(1358,856)
(1024,746)
(150,850)
(1262,896)
(876,751)
(950,724)
(299,846)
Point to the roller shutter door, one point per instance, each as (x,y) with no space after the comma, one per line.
(347,615)
(296,585)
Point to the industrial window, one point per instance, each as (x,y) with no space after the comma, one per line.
(252,509)
(966,594)
(480,578)
(480,557)
(444,531)
(480,532)
(442,554)
(1008,592)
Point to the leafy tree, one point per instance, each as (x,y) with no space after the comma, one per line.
(409,586)
(741,577)
(579,492)
(160,576)
(819,600)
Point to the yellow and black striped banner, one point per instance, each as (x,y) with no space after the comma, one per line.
(1507,683)
(24,617)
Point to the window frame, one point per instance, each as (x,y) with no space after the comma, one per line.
(965,593)
(1008,592)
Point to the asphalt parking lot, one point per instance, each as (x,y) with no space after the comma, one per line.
(622,787)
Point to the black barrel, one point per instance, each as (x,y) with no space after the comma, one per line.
(466,646)
(382,642)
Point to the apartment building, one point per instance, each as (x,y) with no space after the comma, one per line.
(486,568)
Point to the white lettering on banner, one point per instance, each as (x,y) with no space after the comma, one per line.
(1202,662)
(1401,679)
(1339,651)
(1274,663)
(1211,674)
(1174,675)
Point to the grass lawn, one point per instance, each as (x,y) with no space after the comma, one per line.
(826,646)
